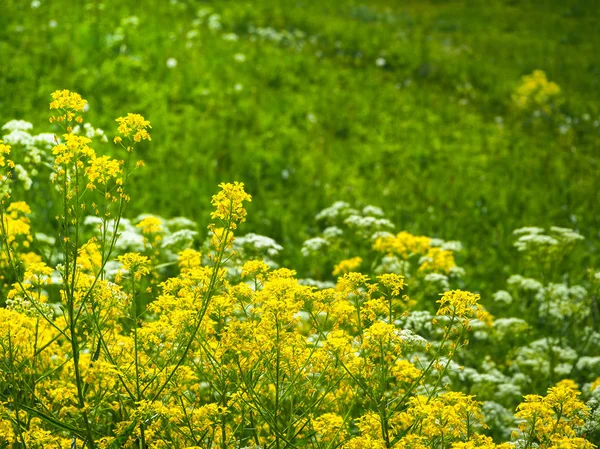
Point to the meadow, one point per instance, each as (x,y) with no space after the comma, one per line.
(299,224)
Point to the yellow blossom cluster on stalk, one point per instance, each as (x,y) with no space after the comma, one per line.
(4,151)
(347,265)
(69,106)
(133,126)
(406,245)
(550,421)
(535,91)
(93,358)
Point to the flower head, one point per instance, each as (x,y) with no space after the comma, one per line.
(134,126)
(229,203)
(68,104)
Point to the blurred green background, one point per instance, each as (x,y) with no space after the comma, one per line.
(406,105)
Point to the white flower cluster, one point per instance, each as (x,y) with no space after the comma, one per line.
(30,152)
(534,239)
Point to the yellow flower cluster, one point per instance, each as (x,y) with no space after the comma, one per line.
(346,266)
(102,169)
(552,420)
(463,305)
(406,245)
(535,91)
(16,226)
(438,260)
(4,150)
(72,150)
(134,126)
(135,264)
(68,104)
(228,203)
(150,225)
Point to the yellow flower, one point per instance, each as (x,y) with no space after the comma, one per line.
(394,282)
(150,225)
(73,148)
(255,269)
(134,126)
(102,169)
(189,259)
(68,104)
(229,205)
(64,99)
(460,304)
(329,427)
(4,149)
(452,414)
(345,266)
(135,264)
(556,415)
(404,244)
(438,260)
(535,91)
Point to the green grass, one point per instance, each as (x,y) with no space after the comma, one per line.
(411,136)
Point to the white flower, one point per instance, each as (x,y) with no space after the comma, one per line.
(259,243)
(503,296)
(527,284)
(171,63)
(528,230)
(566,235)
(180,239)
(239,57)
(18,137)
(380,62)
(373,211)
(332,232)
(313,245)
(438,279)
(17,125)
(336,209)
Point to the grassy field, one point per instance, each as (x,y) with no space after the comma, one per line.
(406,105)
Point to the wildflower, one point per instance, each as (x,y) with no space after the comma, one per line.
(460,304)
(450,415)
(69,104)
(150,225)
(134,126)
(404,244)
(346,266)
(189,259)
(328,427)
(135,264)
(17,125)
(255,268)
(535,91)
(229,203)
(4,150)
(394,282)
(73,148)
(437,259)
(102,169)
(556,415)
